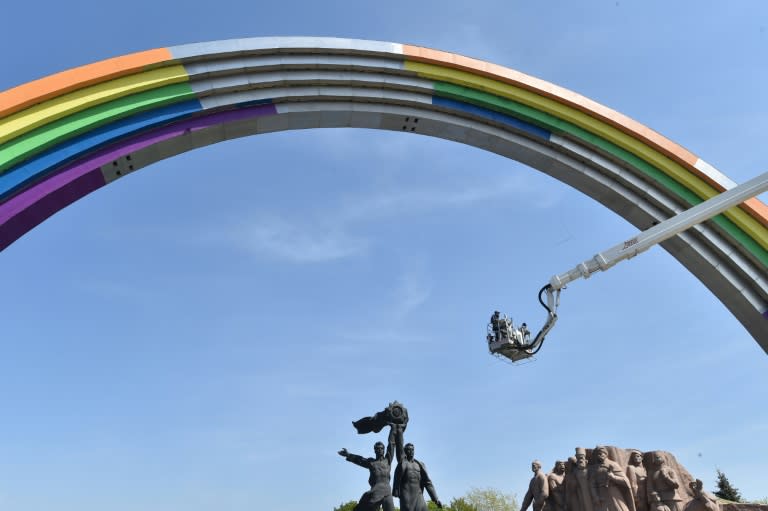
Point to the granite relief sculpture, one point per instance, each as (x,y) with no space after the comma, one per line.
(577,494)
(662,486)
(538,488)
(608,485)
(609,478)
(637,476)
(702,500)
(556,482)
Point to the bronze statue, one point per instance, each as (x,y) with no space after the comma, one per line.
(379,467)
(637,480)
(394,413)
(556,480)
(538,488)
(609,486)
(411,478)
(662,486)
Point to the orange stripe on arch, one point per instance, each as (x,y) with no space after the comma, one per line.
(760,209)
(757,209)
(51,86)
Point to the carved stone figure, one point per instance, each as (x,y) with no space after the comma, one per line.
(379,467)
(655,481)
(637,477)
(702,500)
(662,486)
(609,486)
(411,478)
(538,488)
(577,496)
(556,482)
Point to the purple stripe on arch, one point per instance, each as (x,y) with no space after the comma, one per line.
(56,195)
(22,212)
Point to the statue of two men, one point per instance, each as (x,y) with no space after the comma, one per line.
(411,477)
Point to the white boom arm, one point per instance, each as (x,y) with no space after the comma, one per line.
(506,345)
(664,230)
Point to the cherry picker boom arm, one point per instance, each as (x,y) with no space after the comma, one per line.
(516,351)
(663,231)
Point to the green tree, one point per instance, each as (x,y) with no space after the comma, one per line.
(347,506)
(725,490)
(491,499)
(461,504)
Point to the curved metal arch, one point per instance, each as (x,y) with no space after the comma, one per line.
(247,87)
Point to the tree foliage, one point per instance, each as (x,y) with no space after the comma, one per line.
(461,504)
(476,499)
(725,490)
(490,499)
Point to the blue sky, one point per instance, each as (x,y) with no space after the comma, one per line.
(200,335)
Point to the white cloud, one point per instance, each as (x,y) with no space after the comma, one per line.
(298,243)
(330,235)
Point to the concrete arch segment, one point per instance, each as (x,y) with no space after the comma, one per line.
(65,138)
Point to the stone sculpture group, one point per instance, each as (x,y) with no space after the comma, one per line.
(411,478)
(611,479)
(601,479)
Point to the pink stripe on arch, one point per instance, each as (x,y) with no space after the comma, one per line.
(21,213)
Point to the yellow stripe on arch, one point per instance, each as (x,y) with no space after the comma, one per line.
(670,167)
(41,114)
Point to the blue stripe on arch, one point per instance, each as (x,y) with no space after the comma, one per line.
(513,122)
(42,164)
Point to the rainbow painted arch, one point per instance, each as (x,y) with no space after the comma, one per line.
(66,135)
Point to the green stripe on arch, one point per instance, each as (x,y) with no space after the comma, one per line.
(33,143)
(554,124)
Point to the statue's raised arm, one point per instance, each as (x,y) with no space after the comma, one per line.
(397,432)
(391,444)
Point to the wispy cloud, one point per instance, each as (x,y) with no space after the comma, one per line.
(513,187)
(333,234)
(412,290)
(296,242)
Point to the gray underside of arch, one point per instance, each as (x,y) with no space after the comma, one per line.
(706,252)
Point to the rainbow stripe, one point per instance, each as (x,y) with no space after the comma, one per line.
(66,135)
